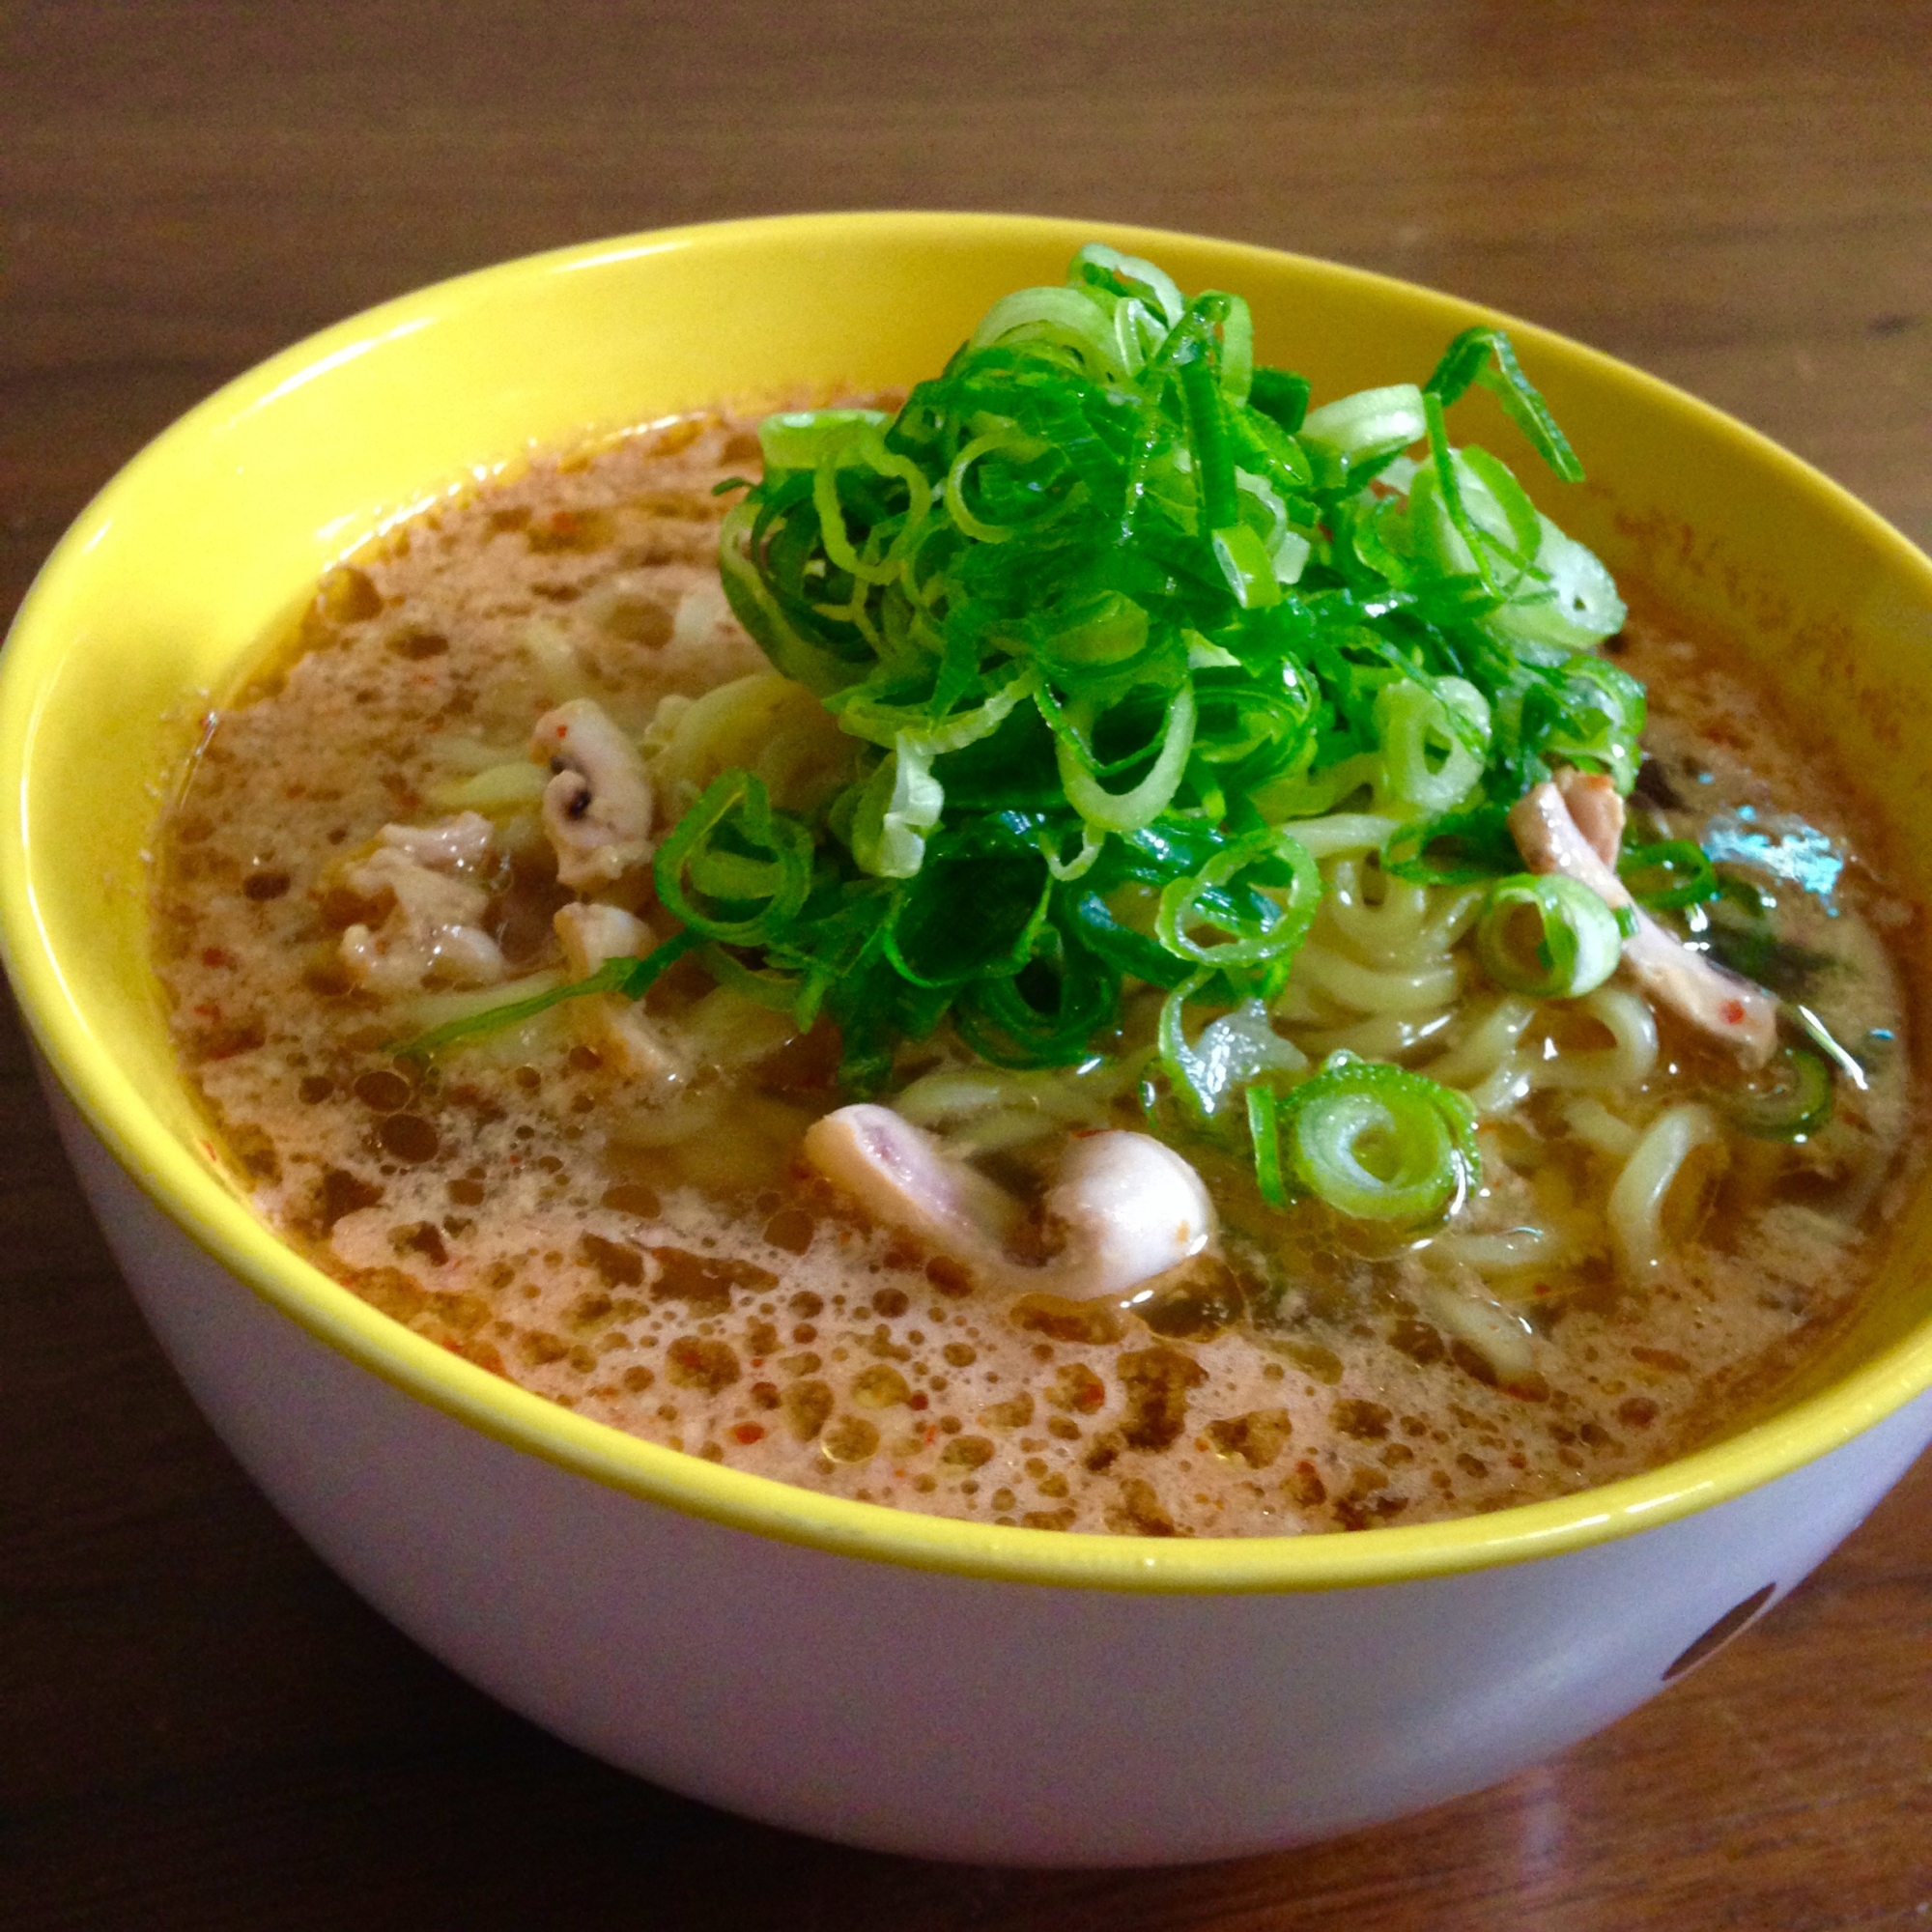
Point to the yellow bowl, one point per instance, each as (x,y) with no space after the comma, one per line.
(207,542)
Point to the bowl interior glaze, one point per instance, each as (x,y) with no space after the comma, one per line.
(213,537)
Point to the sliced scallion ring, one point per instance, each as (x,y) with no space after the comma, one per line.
(1280,395)
(1793,1104)
(1264,1130)
(1668,876)
(803,439)
(1373,1140)
(1248,567)
(733,869)
(1042,1016)
(1127,810)
(1548,936)
(1259,927)
(1369,422)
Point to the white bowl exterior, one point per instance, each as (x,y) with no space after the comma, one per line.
(938,1714)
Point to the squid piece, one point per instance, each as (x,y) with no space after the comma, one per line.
(614,1027)
(592,935)
(598,806)
(1129,1207)
(434,925)
(1133,1209)
(1696,988)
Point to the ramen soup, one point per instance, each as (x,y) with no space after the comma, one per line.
(1133,964)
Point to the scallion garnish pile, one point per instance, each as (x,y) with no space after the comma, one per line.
(1126,627)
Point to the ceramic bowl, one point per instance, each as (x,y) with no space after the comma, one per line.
(953,1688)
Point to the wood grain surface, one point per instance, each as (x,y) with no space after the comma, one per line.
(199,1727)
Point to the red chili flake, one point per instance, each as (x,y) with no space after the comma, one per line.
(749,1433)
(209,1011)
(1734,1012)
(215,955)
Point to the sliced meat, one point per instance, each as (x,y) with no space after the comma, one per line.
(1716,1002)
(1597,807)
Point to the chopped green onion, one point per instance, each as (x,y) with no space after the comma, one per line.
(1063,316)
(1486,482)
(1264,1130)
(1793,1103)
(1248,567)
(1739,934)
(980,909)
(1457,849)
(1141,803)
(1485,355)
(1139,277)
(1208,431)
(779,992)
(733,869)
(1375,1142)
(1549,937)
(1668,876)
(1371,423)
(1117,614)
(1044,1014)
(1826,1043)
(803,440)
(1432,742)
(900,804)
(964,518)
(633,979)
(1260,927)
(1463,547)
(1128,953)
(1280,396)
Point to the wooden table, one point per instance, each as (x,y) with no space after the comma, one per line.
(199,1727)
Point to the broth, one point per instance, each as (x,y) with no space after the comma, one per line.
(622,1222)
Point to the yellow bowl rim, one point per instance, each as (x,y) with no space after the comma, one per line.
(217,1222)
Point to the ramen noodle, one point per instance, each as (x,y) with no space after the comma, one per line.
(441,799)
